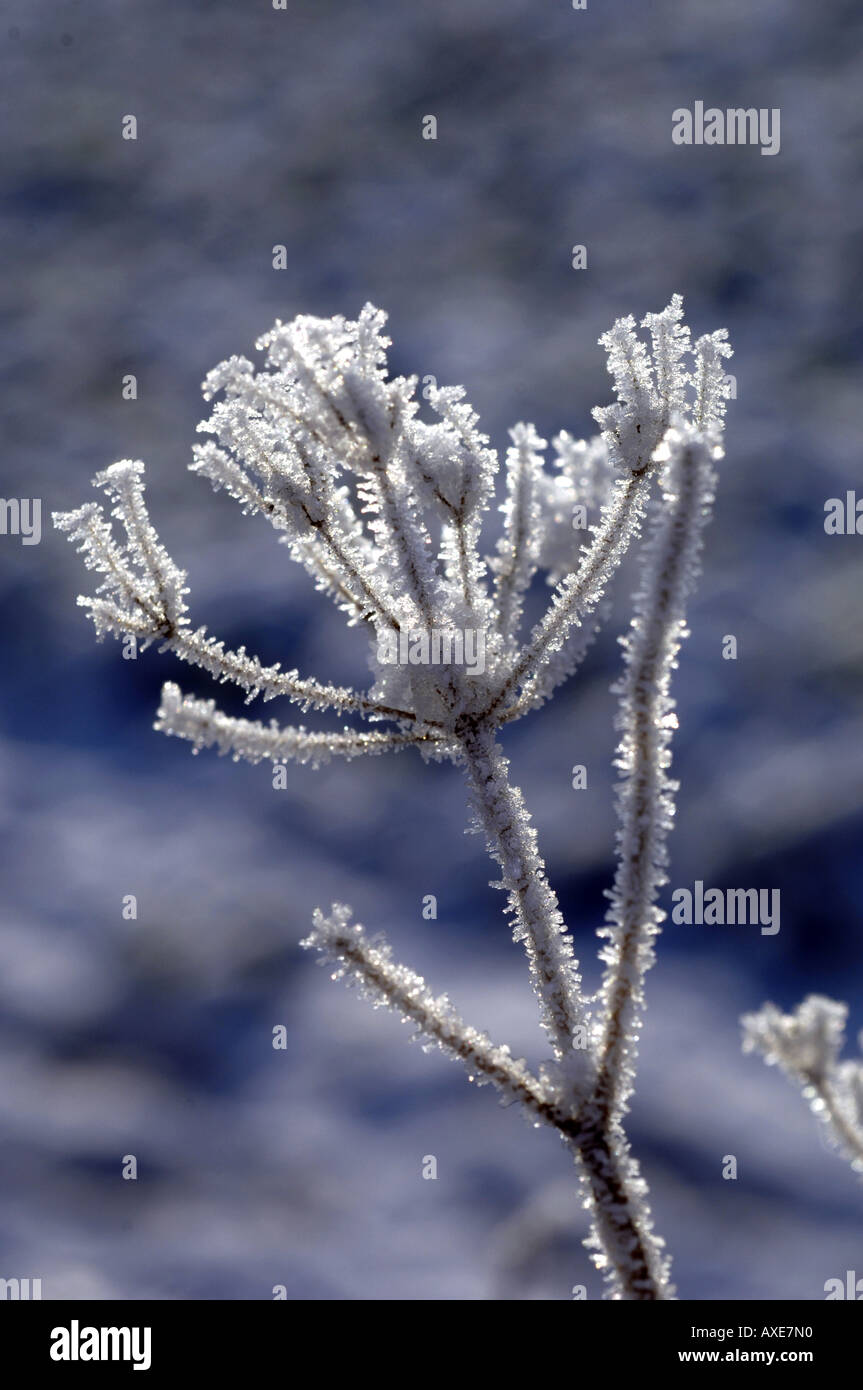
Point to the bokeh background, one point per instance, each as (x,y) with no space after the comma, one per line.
(152,1037)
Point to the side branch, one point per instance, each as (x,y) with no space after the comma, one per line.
(205,726)
(370,965)
(142,594)
(247,672)
(576,597)
(806,1045)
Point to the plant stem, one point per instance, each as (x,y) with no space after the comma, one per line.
(621,1222)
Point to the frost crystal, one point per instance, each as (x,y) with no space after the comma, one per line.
(806,1045)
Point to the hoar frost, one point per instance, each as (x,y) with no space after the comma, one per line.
(384,510)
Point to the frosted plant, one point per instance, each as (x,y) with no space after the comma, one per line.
(384,510)
(806,1045)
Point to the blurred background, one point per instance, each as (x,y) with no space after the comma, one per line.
(153,1037)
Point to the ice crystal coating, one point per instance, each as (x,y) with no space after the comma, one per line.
(806,1044)
(384,510)
(645,793)
(370,966)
